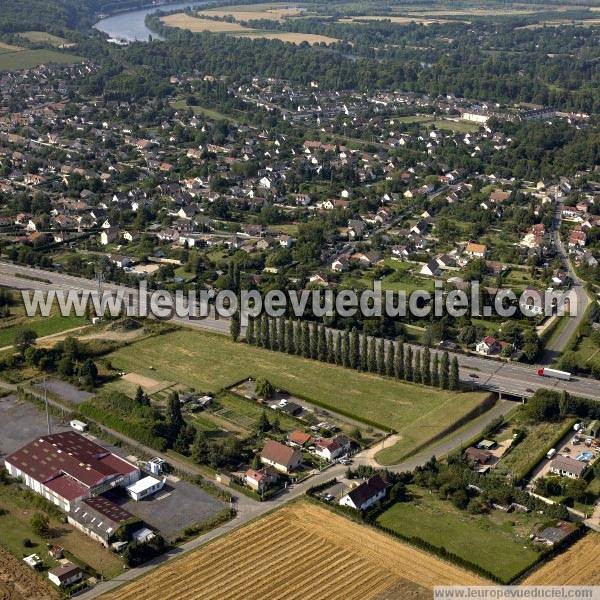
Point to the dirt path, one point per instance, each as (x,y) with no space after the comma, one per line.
(52,337)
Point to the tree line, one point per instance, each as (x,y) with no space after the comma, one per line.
(352,350)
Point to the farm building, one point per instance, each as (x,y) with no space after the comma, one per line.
(283,458)
(99,518)
(366,494)
(66,468)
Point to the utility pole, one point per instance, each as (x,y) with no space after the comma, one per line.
(46,403)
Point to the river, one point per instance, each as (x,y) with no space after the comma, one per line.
(130,26)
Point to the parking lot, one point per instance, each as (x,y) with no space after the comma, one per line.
(21,422)
(65,391)
(178,505)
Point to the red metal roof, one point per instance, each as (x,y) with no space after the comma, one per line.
(66,488)
(68,453)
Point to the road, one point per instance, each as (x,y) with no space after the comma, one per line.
(558,343)
(494,375)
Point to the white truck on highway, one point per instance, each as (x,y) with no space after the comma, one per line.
(546,372)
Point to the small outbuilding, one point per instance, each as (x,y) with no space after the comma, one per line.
(145,487)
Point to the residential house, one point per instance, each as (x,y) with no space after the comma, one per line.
(366,494)
(488,346)
(65,575)
(332,448)
(577,239)
(298,438)
(478,458)
(281,457)
(260,479)
(476,250)
(565,466)
(110,235)
(430,269)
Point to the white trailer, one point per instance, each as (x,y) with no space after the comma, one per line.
(546,372)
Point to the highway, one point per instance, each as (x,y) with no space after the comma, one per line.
(507,378)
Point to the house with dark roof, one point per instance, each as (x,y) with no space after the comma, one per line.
(554,535)
(366,494)
(66,574)
(67,467)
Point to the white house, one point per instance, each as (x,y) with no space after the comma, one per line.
(366,494)
(330,449)
(488,345)
(65,575)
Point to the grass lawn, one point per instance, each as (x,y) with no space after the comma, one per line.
(15,527)
(212,362)
(43,326)
(498,542)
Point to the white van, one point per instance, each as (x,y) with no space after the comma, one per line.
(551,453)
(79,425)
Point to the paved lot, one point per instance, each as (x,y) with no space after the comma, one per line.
(172,509)
(21,422)
(65,390)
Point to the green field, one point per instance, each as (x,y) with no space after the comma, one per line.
(43,326)
(44,37)
(498,542)
(26,59)
(207,361)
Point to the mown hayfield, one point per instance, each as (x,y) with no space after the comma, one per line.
(392,19)
(273,12)
(301,551)
(290,37)
(197,25)
(210,362)
(577,566)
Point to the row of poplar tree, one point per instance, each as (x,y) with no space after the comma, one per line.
(353,350)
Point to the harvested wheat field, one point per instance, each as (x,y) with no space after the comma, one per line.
(577,566)
(196,25)
(274,12)
(19,582)
(301,551)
